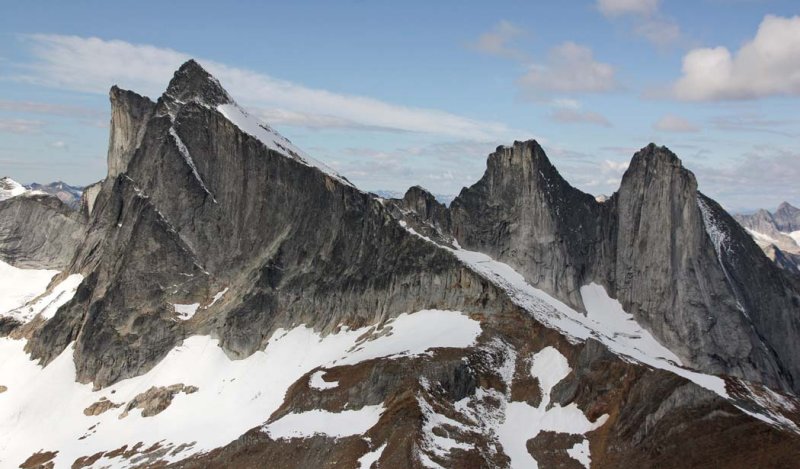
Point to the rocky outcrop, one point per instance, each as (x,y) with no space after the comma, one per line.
(38,231)
(156,399)
(88,197)
(101,406)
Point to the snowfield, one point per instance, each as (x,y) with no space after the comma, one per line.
(43,407)
(20,286)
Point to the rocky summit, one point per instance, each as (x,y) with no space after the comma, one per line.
(223,299)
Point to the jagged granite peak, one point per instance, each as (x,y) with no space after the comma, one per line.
(787,217)
(198,212)
(524,213)
(192,82)
(130,113)
(649,245)
(425,204)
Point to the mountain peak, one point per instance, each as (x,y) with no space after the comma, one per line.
(657,162)
(192,82)
(787,207)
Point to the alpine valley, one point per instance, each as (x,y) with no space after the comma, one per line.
(222,299)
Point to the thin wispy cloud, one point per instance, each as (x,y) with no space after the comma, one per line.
(752,122)
(31,107)
(614,8)
(570,111)
(499,41)
(93,65)
(20,126)
(673,123)
(645,19)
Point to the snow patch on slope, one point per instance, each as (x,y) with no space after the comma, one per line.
(371,457)
(10,188)
(761,237)
(606,315)
(272,139)
(795,235)
(523,421)
(19,286)
(322,422)
(43,407)
(316,381)
(186,312)
(48,304)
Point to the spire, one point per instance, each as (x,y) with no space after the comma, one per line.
(193,82)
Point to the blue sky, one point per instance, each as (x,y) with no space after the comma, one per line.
(395,94)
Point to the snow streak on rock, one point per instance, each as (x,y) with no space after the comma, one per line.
(189,161)
(19,286)
(272,139)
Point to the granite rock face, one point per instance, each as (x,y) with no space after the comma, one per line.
(525,214)
(38,231)
(192,213)
(129,115)
(657,245)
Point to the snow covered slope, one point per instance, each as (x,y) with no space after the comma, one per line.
(44,407)
(10,188)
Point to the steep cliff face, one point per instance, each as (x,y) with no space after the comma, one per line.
(129,115)
(38,231)
(524,213)
(668,272)
(233,208)
(657,245)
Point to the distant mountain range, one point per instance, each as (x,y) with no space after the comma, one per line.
(777,234)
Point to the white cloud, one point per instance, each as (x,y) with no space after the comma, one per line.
(649,22)
(626,7)
(673,123)
(767,65)
(570,68)
(60,144)
(93,65)
(20,126)
(496,42)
